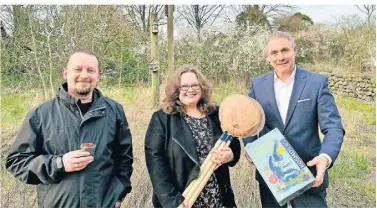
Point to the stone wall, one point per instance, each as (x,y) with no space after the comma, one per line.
(361,87)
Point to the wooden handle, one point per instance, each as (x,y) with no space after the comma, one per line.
(203,178)
(203,170)
(209,157)
(188,188)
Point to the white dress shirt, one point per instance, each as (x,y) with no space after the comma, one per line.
(283,92)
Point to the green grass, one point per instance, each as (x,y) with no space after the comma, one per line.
(353,106)
(363,188)
(126,94)
(353,167)
(369,190)
(350,164)
(353,174)
(221,92)
(14,107)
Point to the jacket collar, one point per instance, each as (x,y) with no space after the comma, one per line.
(183,134)
(298,86)
(62,94)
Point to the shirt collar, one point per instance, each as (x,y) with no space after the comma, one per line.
(291,78)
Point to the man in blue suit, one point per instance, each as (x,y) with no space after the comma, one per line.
(296,101)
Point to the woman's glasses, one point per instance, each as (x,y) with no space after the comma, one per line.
(187,87)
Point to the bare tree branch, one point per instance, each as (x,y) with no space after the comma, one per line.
(198,16)
(139,15)
(369,10)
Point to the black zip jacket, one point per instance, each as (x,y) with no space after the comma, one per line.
(172,160)
(57,127)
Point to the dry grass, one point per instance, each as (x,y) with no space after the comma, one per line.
(344,183)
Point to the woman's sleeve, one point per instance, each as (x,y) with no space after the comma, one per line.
(158,165)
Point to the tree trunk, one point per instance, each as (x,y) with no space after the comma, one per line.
(170,40)
(36,58)
(154,60)
(49,48)
(50,59)
(121,65)
(143,19)
(198,23)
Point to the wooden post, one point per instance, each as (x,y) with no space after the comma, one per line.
(170,9)
(153,63)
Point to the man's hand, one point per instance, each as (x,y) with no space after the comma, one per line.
(321,164)
(117,205)
(221,156)
(249,160)
(76,160)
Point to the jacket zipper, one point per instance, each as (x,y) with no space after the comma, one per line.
(186,152)
(79,111)
(103,107)
(82,121)
(82,118)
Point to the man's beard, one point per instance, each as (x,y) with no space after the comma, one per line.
(83,92)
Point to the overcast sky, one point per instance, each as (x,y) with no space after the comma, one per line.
(327,13)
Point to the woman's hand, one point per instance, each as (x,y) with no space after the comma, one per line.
(184,205)
(221,156)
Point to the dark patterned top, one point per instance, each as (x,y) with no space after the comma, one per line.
(202,133)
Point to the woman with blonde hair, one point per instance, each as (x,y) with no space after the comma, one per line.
(180,136)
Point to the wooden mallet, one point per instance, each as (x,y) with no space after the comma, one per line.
(240,116)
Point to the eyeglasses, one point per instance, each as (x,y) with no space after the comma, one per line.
(187,87)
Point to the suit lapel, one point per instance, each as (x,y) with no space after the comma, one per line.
(183,135)
(298,86)
(270,94)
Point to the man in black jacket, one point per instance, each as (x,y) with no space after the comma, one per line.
(47,150)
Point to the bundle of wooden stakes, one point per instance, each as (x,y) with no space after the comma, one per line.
(240,116)
(192,192)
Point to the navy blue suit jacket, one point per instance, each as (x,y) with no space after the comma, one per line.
(311,105)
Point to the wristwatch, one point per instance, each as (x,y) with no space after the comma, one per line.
(59,162)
